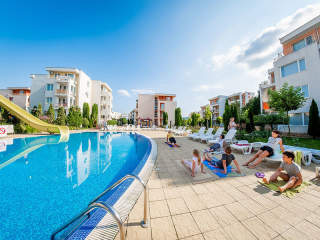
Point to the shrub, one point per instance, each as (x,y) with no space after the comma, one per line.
(44,119)
(314,121)
(74,117)
(50,114)
(19,128)
(86,111)
(94,114)
(61,119)
(90,123)
(85,123)
(29,129)
(39,110)
(112,122)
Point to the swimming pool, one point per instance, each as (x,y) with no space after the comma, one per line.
(49,184)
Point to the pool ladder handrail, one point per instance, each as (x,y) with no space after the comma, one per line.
(93,205)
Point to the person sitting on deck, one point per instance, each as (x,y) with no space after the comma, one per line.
(172,140)
(267,150)
(217,145)
(225,161)
(195,163)
(293,175)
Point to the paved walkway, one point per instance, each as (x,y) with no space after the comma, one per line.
(229,208)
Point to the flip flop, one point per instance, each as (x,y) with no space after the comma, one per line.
(260,175)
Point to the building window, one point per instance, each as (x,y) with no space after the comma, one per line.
(162,106)
(168,98)
(306,118)
(49,87)
(303,43)
(296,119)
(11,99)
(293,68)
(88,84)
(71,75)
(21,92)
(48,100)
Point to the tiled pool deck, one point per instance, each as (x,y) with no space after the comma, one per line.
(230,208)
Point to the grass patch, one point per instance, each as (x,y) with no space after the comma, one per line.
(297,142)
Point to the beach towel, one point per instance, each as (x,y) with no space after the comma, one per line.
(168,144)
(289,192)
(231,172)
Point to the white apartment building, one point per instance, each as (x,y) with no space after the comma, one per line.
(18,95)
(217,104)
(118,115)
(203,110)
(70,87)
(150,107)
(299,66)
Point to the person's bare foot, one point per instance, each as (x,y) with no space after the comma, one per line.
(246,164)
(265,181)
(251,166)
(281,189)
(181,160)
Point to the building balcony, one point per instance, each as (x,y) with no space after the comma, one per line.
(61,91)
(103,103)
(136,109)
(267,84)
(65,79)
(57,105)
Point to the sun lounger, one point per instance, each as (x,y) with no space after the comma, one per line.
(228,138)
(201,131)
(181,131)
(245,146)
(212,136)
(207,134)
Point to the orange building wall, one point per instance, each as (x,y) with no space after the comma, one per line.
(265,105)
(288,48)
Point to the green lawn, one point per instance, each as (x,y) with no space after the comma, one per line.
(297,142)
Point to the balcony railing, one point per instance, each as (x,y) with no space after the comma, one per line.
(291,49)
(56,105)
(61,91)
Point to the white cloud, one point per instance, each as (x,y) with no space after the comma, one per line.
(257,55)
(207,87)
(124,93)
(142,91)
(202,97)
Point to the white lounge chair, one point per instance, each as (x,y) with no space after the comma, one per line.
(201,131)
(214,136)
(127,128)
(228,138)
(207,134)
(138,128)
(181,131)
(177,130)
(245,146)
(166,129)
(133,128)
(154,127)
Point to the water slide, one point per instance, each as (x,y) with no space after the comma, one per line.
(30,119)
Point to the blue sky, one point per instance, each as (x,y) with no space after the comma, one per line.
(195,49)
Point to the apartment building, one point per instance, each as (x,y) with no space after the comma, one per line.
(70,87)
(217,104)
(203,110)
(18,95)
(150,107)
(298,65)
(118,115)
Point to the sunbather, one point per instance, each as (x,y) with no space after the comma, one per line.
(267,150)
(195,163)
(293,175)
(219,144)
(171,140)
(225,161)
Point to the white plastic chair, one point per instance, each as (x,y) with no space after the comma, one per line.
(201,131)
(207,134)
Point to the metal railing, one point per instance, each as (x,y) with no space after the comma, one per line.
(93,205)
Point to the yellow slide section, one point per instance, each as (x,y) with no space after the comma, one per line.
(30,119)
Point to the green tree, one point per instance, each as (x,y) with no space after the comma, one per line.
(50,114)
(165,118)
(234,112)
(177,117)
(286,99)
(39,110)
(254,103)
(219,120)
(34,111)
(85,122)
(61,118)
(74,117)
(250,121)
(86,111)
(94,114)
(226,115)
(189,121)
(314,120)
(207,117)
(195,118)
(184,122)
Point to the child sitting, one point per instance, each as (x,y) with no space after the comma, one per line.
(195,163)
(293,175)
(172,140)
(217,145)
(225,161)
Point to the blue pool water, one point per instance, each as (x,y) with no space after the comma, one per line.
(51,182)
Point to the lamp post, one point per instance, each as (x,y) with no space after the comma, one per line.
(212,112)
